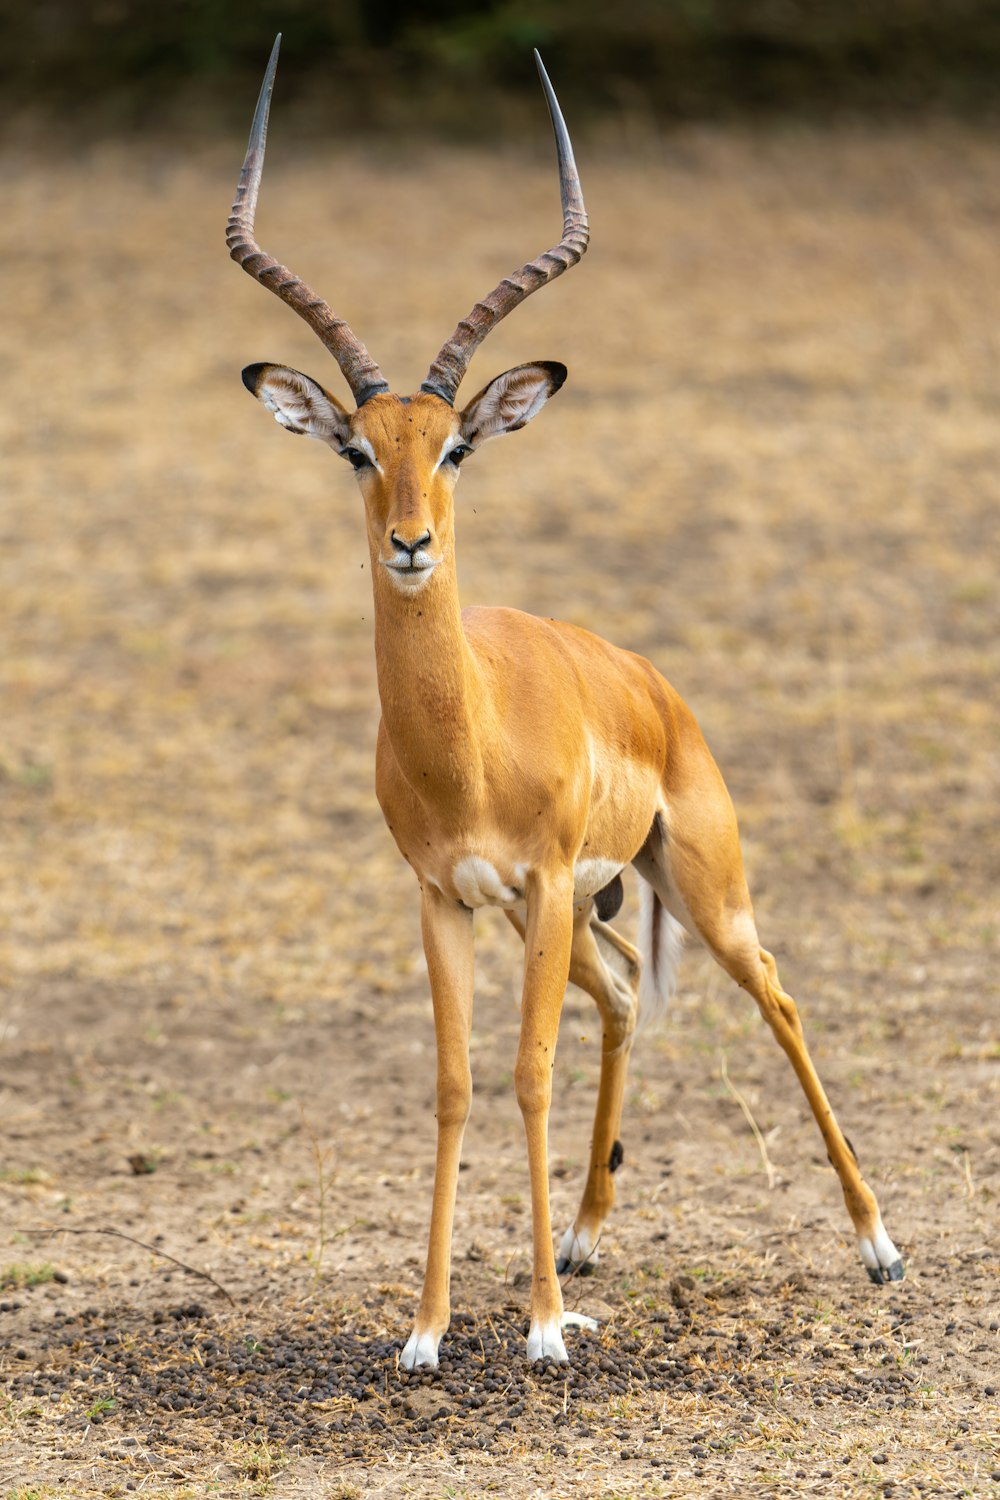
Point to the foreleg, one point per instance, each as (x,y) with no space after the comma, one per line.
(447,934)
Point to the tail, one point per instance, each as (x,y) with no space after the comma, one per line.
(661,939)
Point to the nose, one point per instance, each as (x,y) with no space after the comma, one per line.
(410,547)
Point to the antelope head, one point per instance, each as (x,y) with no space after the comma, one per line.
(406,451)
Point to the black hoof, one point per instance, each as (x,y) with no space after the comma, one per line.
(582,1268)
(880,1275)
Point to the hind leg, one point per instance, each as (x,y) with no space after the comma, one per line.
(692,858)
(607,968)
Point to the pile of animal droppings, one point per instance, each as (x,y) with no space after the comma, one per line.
(317,1386)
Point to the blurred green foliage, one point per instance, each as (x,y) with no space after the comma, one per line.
(399,65)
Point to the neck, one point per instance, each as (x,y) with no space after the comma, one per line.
(428,684)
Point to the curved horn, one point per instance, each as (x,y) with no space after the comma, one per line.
(360,371)
(445,374)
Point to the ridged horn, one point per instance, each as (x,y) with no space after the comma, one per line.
(359,369)
(446,373)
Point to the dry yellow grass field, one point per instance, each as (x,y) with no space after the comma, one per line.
(775,470)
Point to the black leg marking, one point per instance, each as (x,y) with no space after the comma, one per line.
(617,1156)
(847,1143)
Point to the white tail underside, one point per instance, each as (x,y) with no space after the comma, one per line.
(661,939)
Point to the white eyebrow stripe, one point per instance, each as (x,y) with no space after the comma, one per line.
(367,450)
(450,442)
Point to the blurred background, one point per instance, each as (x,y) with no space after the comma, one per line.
(107,63)
(774,469)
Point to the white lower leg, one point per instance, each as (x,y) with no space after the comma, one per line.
(879,1255)
(545,1341)
(578,1248)
(421,1349)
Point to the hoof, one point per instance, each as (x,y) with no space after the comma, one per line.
(880,1257)
(881,1274)
(545,1341)
(580,1267)
(577,1253)
(421,1349)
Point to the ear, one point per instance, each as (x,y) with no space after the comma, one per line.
(511,400)
(298,403)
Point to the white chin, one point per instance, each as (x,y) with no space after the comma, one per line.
(410,580)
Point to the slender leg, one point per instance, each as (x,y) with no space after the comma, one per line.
(548,942)
(606,967)
(695,859)
(878,1254)
(447,934)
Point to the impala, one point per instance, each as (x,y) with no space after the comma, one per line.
(523,763)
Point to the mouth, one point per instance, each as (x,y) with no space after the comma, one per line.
(410,573)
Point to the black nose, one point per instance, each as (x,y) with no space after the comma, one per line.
(410,547)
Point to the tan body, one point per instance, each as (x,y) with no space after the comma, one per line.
(489,797)
(523,763)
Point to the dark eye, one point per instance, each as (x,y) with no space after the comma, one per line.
(460,451)
(356,458)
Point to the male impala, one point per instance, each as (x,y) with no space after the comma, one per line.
(523,764)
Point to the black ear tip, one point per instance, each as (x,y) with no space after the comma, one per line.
(251,377)
(557,373)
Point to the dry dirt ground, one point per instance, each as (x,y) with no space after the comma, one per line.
(775,470)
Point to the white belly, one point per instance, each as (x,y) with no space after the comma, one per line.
(591,876)
(478,882)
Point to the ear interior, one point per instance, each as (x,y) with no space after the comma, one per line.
(299,404)
(511,400)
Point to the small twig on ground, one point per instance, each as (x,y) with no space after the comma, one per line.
(321,1159)
(744,1106)
(119,1234)
(577,1272)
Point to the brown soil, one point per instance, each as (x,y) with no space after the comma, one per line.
(775,470)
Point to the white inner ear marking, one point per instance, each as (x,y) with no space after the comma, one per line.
(300,405)
(512,392)
(367,450)
(280,412)
(446,447)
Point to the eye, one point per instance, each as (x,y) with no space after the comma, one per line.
(455,456)
(356,458)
